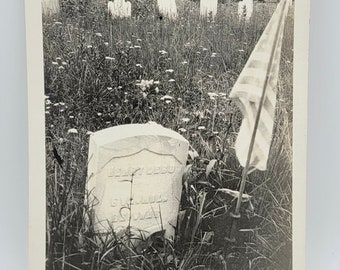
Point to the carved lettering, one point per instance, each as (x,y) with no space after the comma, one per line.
(135,216)
(139,200)
(142,170)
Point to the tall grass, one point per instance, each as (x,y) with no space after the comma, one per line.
(94,67)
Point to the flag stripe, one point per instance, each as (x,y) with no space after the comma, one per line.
(256,88)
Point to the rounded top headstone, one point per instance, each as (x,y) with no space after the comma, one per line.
(116,133)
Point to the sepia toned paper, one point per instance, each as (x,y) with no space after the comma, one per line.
(43,150)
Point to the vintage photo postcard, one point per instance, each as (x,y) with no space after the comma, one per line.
(167,134)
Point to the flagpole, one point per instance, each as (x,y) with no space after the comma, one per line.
(236,214)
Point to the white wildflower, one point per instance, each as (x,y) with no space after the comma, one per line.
(166,97)
(145,84)
(212,95)
(72,131)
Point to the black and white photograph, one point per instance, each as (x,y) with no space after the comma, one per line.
(168,134)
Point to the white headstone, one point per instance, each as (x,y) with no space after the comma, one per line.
(167,8)
(245,9)
(208,7)
(50,7)
(119,9)
(110,8)
(128,9)
(145,160)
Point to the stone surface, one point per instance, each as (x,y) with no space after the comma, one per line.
(245,9)
(119,8)
(167,8)
(50,7)
(145,160)
(208,7)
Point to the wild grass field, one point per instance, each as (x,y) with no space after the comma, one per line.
(102,72)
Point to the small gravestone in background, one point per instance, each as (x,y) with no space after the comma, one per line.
(208,7)
(245,9)
(119,8)
(167,8)
(50,7)
(135,177)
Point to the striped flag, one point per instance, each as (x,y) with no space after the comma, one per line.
(255,91)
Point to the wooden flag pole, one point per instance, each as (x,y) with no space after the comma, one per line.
(236,215)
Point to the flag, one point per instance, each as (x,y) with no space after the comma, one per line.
(255,89)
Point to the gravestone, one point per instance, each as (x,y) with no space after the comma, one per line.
(245,9)
(119,8)
(136,167)
(167,8)
(50,7)
(208,7)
